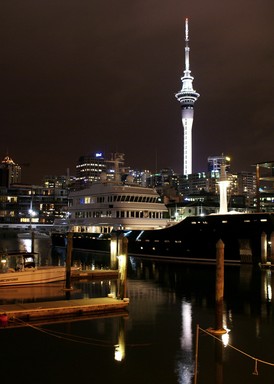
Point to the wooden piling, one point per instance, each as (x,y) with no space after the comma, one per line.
(32,241)
(113,251)
(219,285)
(272,248)
(68,260)
(263,248)
(122,265)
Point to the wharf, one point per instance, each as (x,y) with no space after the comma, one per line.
(95,274)
(63,308)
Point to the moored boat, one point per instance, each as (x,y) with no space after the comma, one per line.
(193,239)
(26,272)
(116,205)
(108,206)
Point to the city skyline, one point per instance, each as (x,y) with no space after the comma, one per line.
(78,77)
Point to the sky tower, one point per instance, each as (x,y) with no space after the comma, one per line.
(187,97)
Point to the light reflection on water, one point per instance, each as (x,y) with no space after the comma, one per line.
(156,342)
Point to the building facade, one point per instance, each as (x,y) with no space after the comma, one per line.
(96,166)
(264,200)
(24,205)
(10,172)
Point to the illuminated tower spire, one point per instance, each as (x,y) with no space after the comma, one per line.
(187,97)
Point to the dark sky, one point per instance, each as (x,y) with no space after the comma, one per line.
(78,76)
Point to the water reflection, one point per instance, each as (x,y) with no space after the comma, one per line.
(248,294)
(186,365)
(156,342)
(120,347)
(267,288)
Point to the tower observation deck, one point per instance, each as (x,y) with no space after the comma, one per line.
(187,97)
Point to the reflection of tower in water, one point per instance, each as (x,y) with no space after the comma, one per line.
(223,185)
(185,366)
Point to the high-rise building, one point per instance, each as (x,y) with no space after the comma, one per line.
(89,169)
(187,97)
(96,167)
(10,172)
(265,186)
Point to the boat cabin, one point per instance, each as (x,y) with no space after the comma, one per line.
(17,261)
(28,261)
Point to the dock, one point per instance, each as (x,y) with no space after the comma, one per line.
(63,308)
(95,274)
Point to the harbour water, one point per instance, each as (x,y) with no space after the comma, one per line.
(157,340)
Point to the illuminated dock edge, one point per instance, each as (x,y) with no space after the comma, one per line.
(63,308)
(95,274)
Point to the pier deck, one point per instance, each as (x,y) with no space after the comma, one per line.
(95,274)
(63,308)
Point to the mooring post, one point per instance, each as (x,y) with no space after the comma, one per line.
(32,240)
(114,250)
(272,247)
(263,248)
(68,260)
(122,265)
(219,284)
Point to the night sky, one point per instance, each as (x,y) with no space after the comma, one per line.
(78,76)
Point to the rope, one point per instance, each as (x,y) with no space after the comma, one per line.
(255,372)
(75,338)
(67,337)
(95,342)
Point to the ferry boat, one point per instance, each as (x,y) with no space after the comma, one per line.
(108,206)
(115,205)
